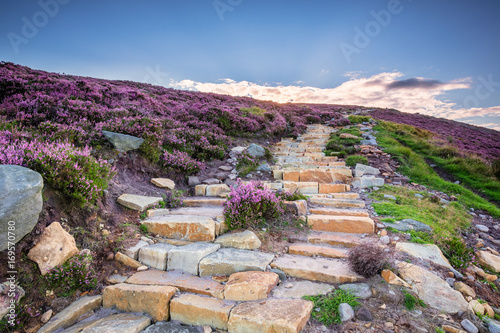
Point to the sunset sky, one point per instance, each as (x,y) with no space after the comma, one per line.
(439,58)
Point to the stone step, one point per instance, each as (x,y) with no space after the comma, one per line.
(347,224)
(227,261)
(339,212)
(138,202)
(310,250)
(203,202)
(343,195)
(192,228)
(335,174)
(338,203)
(214,212)
(302,187)
(316,269)
(335,239)
(333,188)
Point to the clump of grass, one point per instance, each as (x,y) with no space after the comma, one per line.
(355,159)
(358,119)
(246,164)
(421,237)
(254,110)
(411,301)
(143,229)
(369,259)
(328,306)
(457,252)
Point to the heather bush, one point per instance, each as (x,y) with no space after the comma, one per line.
(181,162)
(75,274)
(172,199)
(251,205)
(368,259)
(245,164)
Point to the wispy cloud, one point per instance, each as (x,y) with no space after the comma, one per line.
(386,90)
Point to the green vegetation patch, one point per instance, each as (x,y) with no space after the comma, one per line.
(328,306)
(355,159)
(358,119)
(411,301)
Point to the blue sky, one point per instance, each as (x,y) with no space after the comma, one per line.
(435,57)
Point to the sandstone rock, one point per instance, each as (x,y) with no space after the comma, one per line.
(188,257)
(424,251)
(227,261)
(432,289)
(489,260)
(171,327)
(198,310)
(362,169)
(337,203)
(301,187)
(117,323)
(360,290)
(217,190)
(203,202)
(200,190)
(126,260)
(123,142)
(345,240)
(70,314)
(392,278)
(367,181)
(299,207)
(464,289)
(54,248)
(332,188)
(21,202)
(163,183)
(273,315)
(452,329)
(155,255)
(192,228)
(325,176)
(157,212)
(153,300)
(346,224)
(316,269)
(138,202)
(9,291)
(184,281)
(116,278)
(311,250)
(250,286)
(246,240)
(133,251)
(346,312)
(488,310)
(410,224)
(299,289)
(46,316)
(477,307)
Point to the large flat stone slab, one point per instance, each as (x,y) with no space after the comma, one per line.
(433,290)
(227,261)
(333,188)
(138,202)
(347,224)
(117,323)
(70,314)
(310,250)
(133,251)
(325,176)
(123,142)
(163,183)
(183,281)
(187,258)
(408,225)
(155,255)
(367,181)
(246,240)
(338,203)
(335,239)
(171,327)
(211,211)
(299,289)
(192,228)
(202,311)
(203,202)
(424,251)
(338,212)
(153,300)
(489,260)
(316,269)
(272,315)
(250,286)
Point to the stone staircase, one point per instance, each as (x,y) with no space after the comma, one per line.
(200,276)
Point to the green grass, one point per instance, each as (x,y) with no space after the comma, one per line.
(342,147)
(358,119)
(328,306)
(254,110)
(355,159)
(396,139)
(411,302)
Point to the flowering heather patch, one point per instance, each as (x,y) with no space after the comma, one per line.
(75,274)
(182,162)
(467,138)
(250,205)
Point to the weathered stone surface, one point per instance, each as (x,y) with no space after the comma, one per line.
(199,310)
(489,310)
(138,202)
(171,327)
(273,315)
(9,292)
(184,281)
(464,289)
(316,269)
(255,150)
(200,190)
(123,142)
(155,255)
(245,240)
(335,239)
(347,224)
(250,286)
(476,307)
(126,260)
(203,202)
(325,176)
(424,251)
(21,202)
(361,290)
(163,183)
(346,312)
(157,212)
(117,323)
(332,188)
(214,212)
(187,258)
(410,224)
(338,203)
(367,181)
(392,278)
(362,169)
(299,289)
(339,212)
(216,190)
(54,248)
(299,207)
(301,187)
(192,228)
(452,329)
(433,290)
(70,314)
(116,278)
(310,250)
(153,300)
(291,175)
(489,260)
(227,261)
(133,251)
(469,326)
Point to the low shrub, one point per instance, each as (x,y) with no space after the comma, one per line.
(245,164)
(292,196)
(75,274)
(326,307)
(172,199)
(355,159)
(457,252)
(251,205)
(368,259)
(181,162)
